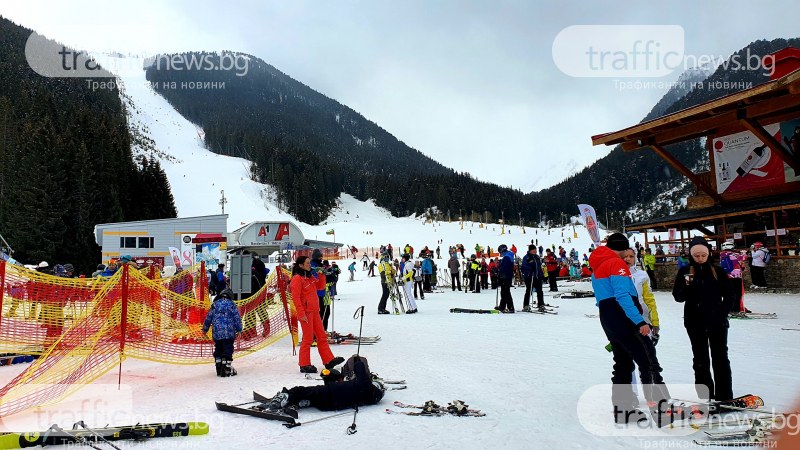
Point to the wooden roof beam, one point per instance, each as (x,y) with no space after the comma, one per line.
(767,138)
(672,161)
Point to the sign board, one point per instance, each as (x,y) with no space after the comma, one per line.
(742,161)
(270,234)
(241,278)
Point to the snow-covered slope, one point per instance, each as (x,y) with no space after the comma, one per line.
(197,176)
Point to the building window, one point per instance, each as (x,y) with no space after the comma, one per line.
(127,242)
(146,242)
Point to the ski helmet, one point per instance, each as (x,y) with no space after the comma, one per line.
(727,245)
(502,248)
(758,245)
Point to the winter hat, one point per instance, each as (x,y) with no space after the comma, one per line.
(699,240)
(316,254)
(617,242)
(531,247)
(125,258)
(226,293)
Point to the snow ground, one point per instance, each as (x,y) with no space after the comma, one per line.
(526,371)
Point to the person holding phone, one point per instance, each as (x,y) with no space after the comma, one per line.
(704,290)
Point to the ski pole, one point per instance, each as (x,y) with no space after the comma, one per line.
(297,424)
(358,314)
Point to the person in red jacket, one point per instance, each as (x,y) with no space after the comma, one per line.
(585,271)
(306,303)
(563,271)
(551,263)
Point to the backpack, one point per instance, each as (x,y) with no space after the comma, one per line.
(767,255)
(727,264)
(349,368)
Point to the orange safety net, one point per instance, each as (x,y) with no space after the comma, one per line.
(83,328)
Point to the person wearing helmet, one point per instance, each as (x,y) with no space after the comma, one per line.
(225,322)
(505,274)
(758,266)
(733,263)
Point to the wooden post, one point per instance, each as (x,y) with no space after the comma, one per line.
(774,227)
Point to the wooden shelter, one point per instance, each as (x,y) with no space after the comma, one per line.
(752,190)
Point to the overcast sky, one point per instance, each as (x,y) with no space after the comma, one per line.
(472,84)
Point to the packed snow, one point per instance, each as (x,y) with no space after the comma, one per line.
(527,372)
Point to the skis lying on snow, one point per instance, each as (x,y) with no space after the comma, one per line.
(337,338)
(56,435)
(258,408)
(574,294)
(752,315)
(474,311)
(539,311)
(754,436)
(430,408)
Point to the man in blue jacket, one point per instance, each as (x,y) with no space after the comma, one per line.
(505,274)
(629,335)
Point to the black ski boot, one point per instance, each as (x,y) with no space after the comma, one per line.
(229,370)
(333,363)
(220,367)
(308,369)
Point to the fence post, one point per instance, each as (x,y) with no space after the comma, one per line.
(2,287)
(123,324)
(282,291)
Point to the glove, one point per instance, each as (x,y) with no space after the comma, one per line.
(655,338)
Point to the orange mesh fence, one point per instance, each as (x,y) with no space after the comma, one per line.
(84,328)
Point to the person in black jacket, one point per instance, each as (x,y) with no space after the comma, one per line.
(703,289)
(533,275)
(337,393)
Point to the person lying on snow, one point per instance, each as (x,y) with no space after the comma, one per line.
(353,386)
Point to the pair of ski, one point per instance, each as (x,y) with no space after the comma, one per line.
(752,315)
(349,339)
(85,435)
(574,294)
(546,310)
(257,408)
(430,408)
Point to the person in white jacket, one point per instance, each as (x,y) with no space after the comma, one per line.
(758,265)
(408,283)
(648,301)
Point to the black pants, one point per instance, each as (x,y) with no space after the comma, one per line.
(652,275)
(533,283)
(757,273)
(474,282)
(713,338)
(426,282)
(736,286)
(506,301)
(455,280)
(629,347)
(223,348)
(551,277)
(418,285)
(384,297)
(484,281)
(324,311)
